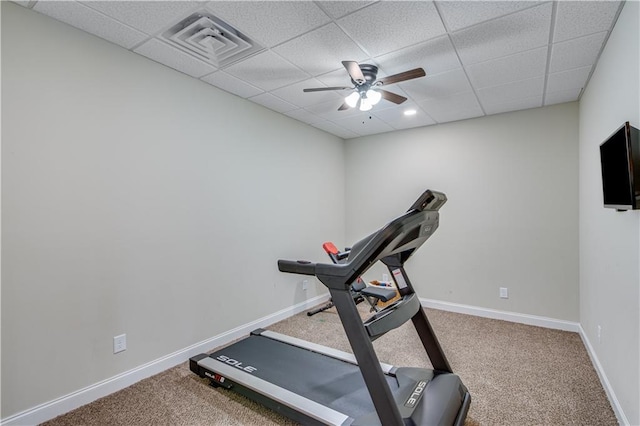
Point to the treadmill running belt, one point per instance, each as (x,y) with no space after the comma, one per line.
(328,381)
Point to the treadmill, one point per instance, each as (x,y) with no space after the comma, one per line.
(314,384)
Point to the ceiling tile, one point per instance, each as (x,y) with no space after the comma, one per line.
(435,56)
(504,36)
(396,118)
(273,102)
(580,18)
(437,86)
(147,16)
(492,96)
(24,3)
(330,46)
(364,123)
(461,14)
(174,58)
(452,108)
(565,80)
(576,53)
(514,105)
(296,96)
(458,115)
(231,84)
(562,97)
(270,22)
(382,27)
(520,66)
(333,128)
(93,22)
(304,116)
(337,9)
(267,71)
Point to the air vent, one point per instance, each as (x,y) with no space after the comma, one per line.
(210,39)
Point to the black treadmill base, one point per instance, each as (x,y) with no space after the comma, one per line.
(333,383)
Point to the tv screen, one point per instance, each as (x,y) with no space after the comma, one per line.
(620,163)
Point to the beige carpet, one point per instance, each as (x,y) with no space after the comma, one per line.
(516,374)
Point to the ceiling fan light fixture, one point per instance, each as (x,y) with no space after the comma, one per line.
(352,99)
(364,79)
(373,96)
(365,104)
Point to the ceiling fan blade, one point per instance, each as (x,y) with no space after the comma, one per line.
(403,76)
(354,71)
(395,98)
(322,89)
(343,107)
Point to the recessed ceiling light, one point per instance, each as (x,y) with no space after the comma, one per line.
(410,112)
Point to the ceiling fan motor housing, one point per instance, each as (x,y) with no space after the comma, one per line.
(370,73)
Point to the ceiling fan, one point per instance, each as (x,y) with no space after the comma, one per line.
(367,91)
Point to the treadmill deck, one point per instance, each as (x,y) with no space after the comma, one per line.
(311,382)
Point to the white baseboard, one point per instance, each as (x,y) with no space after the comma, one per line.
(64,404)
(613,400)
(538,321)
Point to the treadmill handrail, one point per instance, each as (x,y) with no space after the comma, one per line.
(302,267)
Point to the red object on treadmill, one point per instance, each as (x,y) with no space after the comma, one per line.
(330,248)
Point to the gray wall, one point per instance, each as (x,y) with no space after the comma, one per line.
(511,218)
(610,240)
(138,200)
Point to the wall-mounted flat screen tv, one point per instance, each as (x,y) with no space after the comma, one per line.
(620,163)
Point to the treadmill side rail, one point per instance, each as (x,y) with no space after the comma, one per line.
(276,393)
(325,350)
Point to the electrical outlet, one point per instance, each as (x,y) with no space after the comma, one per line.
(599,333)
(504,293)
(305,285)
(119,343)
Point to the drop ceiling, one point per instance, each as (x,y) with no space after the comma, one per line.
(480,57)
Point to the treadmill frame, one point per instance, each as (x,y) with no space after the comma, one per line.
(394,244)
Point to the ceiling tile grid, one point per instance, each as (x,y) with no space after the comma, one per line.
(452,108)
(520,31)
(562,96)
(148,17)
(320,51)
(273,102)
(480,57)
(384,26)
(305,116)
(519,66)
(232,84)
(270,22)
(331,127)
(460,14)
(92,21)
